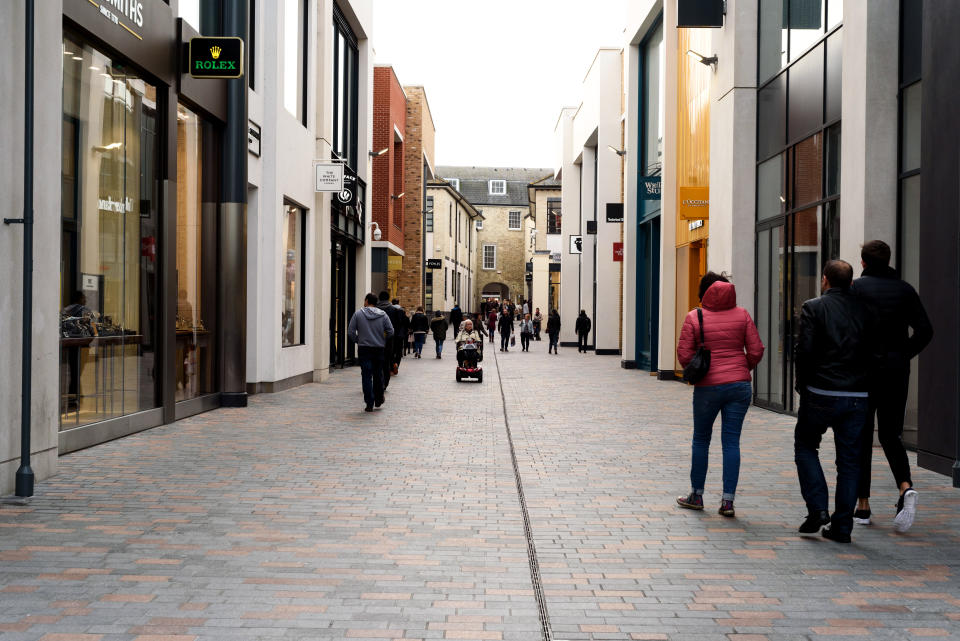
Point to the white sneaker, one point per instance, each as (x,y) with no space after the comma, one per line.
(907,511)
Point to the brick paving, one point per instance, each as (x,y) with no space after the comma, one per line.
(302,517)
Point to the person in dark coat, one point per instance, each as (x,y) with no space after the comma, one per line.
(439,328)
(419,326)
(389,350)
(834,357)
(491,323)
(553,331)
(583,331)
(505,326)
(456,317)
(898,309)
(400,338)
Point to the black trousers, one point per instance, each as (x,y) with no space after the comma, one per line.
(504,340)
(387,363)
(525,341)
(582,342)
(888,401)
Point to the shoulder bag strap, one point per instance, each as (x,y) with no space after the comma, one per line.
(700,316)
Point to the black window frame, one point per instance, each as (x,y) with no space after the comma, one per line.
(348,150)
(554,216)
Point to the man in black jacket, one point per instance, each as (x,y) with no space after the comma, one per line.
(393,313)
(898,308)
(833,358)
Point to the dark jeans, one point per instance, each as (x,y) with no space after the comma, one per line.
(525,341)
(536,330)
(387,363)
(582,342)
(731,401)
(371,373)
(439,344)
(419,339)
(504,340)
(846,416)
(888,400)
(554,340)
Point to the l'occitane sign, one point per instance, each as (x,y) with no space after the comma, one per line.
(693,203)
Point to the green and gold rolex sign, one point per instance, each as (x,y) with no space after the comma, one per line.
(216,57)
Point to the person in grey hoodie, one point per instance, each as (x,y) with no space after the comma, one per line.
(371,329)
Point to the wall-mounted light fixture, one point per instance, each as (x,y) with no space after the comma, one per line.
(377,234)
(619,152)
(398,196)
(702,59)
(375,154)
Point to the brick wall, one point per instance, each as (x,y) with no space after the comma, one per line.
(389,111)
(418,140)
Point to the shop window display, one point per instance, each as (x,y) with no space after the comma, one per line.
(291,316)
(110,224)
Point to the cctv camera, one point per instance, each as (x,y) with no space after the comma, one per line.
(377,234)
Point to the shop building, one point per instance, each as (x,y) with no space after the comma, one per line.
(389,125)
(591,149)
(545,244)
(450,231)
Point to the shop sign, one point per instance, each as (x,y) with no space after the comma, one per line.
(591,227)
(694,203)
(576,244)
(618,252)
(216,57)
(695,224)
(108,204)
(130,14)
(253,138)
(614,212)
(650,188)
(394,263)
(434,263)
(702,13)
(528,278)
(329,177)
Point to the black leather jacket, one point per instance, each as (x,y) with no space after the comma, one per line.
(896,304)
(834,343)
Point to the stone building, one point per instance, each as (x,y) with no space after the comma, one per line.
(545,245)
(450,232)
(500,194)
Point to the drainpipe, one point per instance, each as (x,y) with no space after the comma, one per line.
(25,477)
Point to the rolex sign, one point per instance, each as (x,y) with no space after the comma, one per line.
(216,57)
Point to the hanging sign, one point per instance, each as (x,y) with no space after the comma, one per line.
(694,203)
(614,212)
(618,252)
(650,188)
(576,244)
(434,263)
(329,177)
(702,13)
(216,57)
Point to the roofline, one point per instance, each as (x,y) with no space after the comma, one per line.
(597,55)
(426,101)
(393,72)
(442,184)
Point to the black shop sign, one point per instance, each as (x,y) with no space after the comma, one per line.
(216,57)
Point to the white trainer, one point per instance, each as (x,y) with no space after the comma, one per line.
(903,521)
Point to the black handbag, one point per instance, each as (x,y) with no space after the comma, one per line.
(696,370)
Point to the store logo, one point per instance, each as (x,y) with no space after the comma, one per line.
(215,52)
(116,206)
(130,10)
(216,57)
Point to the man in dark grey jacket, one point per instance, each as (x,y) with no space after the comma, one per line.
(371,330)
(897,306)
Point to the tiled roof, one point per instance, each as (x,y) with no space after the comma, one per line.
(474,183)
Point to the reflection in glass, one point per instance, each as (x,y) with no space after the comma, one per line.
(196,255)
(293,57)
(832,161)
(771,263)
(911,40)
(291,317)
(910,127)
(834,76)
(110,220)
(771,196)
(909,264)
(831,230)
(771,117)
(806,95)
(807,177)
(806,25)
(773,38)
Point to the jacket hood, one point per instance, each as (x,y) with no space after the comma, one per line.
(372,312)
(720,296)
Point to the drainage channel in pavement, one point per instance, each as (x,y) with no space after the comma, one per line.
(545,630)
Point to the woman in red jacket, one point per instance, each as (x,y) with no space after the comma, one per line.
(735,349)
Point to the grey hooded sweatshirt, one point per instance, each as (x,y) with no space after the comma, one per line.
(370,327)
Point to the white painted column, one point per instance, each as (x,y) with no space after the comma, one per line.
(668,229)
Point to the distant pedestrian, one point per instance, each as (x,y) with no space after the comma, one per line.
(735,349)
(537,324)
(505,326)
(833,362)
(439,328)
(526,332)
(419,326)
(492,323)
(526,309)
(370,328)
(456,317)
(898,309)
(401,331)
(393,313)
(553,331)
(583,331)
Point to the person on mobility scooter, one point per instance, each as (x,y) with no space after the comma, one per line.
(469,353)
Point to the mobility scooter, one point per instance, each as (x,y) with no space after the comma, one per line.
(469,366)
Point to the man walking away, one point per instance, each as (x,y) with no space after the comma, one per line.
(583,330)
(400,331)
(505,325)
(394,315)
(553,331)
(370,328)
(419,326)
(833,359)
(898,308)
(456,317)
(439,328)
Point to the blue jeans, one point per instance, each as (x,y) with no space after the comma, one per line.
(419,338)
(846,415)
(731,401)
(371,373)
(439,346)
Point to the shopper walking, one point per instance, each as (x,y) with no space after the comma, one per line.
(582,327)
(400,334)
(898,308)
(537,324)
(394,315)
(456,317)
(553,331)
(370,328)
(419,326)
(833,361)
(526,333)
(505,325)
(492,323)
(735,349)
(438,326)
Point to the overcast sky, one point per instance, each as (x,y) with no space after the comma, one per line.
(496,72)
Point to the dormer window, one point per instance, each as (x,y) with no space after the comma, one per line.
(497,187)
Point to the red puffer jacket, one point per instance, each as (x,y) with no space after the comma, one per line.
(729,334)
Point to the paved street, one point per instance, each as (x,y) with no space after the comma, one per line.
(302,517)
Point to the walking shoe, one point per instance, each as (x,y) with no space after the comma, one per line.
(861,517)
(726,508)
(691,502)
(396,369)
(368,408)
(379,401)
(814,522)
(829,533)
(906,510)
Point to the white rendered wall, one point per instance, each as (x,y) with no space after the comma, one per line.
(668,189)
(570,204)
